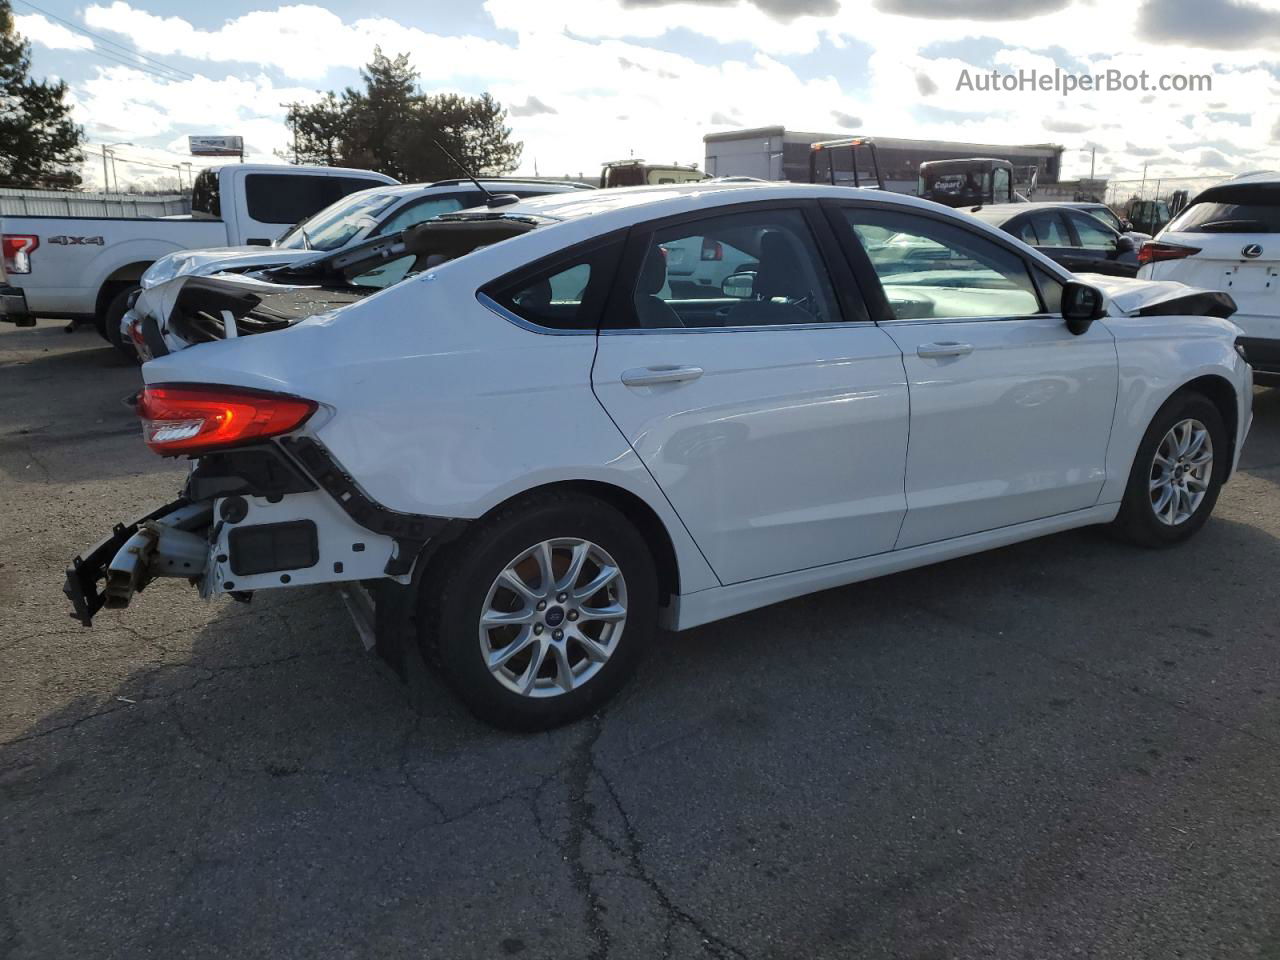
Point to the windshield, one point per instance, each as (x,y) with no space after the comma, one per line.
(339,223)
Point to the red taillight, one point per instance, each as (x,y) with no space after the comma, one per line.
(1154,251)
(192,418)
(711,249)
(17,251)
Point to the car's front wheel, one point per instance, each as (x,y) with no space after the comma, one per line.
(541,611)
(1179,469)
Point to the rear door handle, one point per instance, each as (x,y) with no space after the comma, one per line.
(947,348)
(648,376)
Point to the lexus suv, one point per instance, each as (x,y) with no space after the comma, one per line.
(1228,238)
(535,449)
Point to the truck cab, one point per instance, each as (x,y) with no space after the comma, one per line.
(637,173)
(258,202)
(847,162)
(971,182)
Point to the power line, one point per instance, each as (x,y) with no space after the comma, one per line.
(112,54)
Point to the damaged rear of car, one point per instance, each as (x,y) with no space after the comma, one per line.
(244,443)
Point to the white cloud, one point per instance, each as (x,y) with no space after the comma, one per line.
(46,33)
(584,89)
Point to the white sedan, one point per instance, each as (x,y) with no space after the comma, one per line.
(536,449)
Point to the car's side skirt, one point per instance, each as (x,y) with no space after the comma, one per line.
(705,606)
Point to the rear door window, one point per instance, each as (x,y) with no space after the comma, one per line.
(287,199)
(760,268)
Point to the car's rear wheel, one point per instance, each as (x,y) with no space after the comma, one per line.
(1177,474)
(540,612)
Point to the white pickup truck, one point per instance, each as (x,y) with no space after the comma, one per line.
(85,268)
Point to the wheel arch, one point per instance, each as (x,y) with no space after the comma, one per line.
(1219,391)
(630,505)
(116,280)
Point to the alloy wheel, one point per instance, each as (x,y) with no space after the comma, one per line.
(553,617)
(1181,471)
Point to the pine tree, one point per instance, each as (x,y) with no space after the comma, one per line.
(39,142)
(392,127)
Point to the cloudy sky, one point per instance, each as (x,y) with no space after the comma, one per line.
(588,82)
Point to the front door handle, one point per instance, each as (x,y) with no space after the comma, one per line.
(648,376)
(943,349)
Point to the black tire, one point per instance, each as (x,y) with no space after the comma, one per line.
(111,318)
(456,588)
(1137,521)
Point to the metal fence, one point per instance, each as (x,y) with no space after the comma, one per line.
(1151,203)
(69,203)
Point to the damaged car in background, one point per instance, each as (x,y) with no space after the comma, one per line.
(534,449)
(183,307)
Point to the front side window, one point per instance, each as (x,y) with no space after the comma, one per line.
(932,269)
(760,268)
(416,213)
(1093,235)
(1107,216)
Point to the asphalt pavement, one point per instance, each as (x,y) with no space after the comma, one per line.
(1066,748)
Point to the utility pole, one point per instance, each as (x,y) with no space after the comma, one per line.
(107,151)
(1093,158)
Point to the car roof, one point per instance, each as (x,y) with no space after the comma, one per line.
(1256,176)
(577,217)
(674,198)
(999,213)
(494,185)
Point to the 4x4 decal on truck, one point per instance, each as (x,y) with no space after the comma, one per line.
(65,241)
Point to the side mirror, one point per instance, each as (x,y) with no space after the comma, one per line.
(1124,244)
(740,286)
(1081,305)
(1127,225)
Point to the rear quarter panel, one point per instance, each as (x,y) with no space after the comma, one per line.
(1157,357)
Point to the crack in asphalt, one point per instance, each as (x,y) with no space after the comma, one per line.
(582,815)
(581,810)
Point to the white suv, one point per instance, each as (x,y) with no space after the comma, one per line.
(531,452)
(1228,238)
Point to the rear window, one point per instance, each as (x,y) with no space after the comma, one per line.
(1242,210)
(204,195)
(289,198)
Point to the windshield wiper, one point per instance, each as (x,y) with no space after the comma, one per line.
(306,240)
